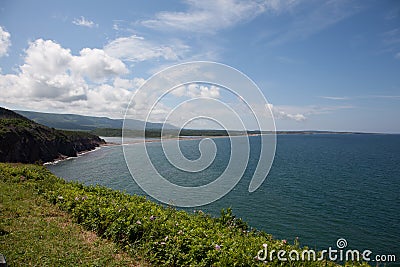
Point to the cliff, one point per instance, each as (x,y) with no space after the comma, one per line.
(22,140)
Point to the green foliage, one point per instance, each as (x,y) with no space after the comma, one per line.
(6,123)
(162,235)
(110,132)
(84,123)
(33,232)
(23,140)
(156,133)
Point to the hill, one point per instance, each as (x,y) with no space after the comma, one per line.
(23,140)
(86,123)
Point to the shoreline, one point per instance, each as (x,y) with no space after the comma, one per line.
(62,158)
(65,158)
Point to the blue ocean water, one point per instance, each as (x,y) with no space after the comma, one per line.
(321,187)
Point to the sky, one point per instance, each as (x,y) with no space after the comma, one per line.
(321,65)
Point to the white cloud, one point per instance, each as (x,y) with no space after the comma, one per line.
(315,18)
(45,57)
(46,73)
(52,71)
(397,55)
(213,15)
(145,100)
(280,114)
(335,97)
(193,114)
(123,27)
(115,26)
(136,49)
(84,22)
(97,65)
(128,84)
(313,109)
(5,42)
(196,90)
(51,78)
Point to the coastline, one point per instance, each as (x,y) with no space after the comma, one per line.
(62,158)
(79,154)
(185,138)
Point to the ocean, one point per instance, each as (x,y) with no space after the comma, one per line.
(321,187)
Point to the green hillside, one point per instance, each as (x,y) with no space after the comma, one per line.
(86,123)
(23,140)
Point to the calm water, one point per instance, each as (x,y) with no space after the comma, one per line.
(321,187)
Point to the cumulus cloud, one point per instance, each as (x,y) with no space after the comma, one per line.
(128,84)
(146,100)
(46,57)
(84,22)
(136,49)
(51,77)
(53,72)
(196,90)
(5,42)
(46,73)
(97,65)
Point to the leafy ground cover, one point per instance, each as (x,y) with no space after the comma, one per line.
(33,232)
(37,209)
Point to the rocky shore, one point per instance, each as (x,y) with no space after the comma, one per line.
(22,140)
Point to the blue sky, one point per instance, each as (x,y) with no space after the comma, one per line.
(323,65)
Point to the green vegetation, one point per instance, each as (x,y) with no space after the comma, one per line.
(23,140)
(85,123)
(143,229)
(109,132)
(156,133)
(35,232)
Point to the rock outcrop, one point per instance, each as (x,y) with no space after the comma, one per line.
(25,141)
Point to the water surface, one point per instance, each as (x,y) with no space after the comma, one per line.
(320,188)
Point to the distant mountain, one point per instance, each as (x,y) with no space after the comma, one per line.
(86,123)
(23,140)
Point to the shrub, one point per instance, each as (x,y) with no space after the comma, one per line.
(161,234)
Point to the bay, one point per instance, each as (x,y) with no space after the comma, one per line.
(321,187)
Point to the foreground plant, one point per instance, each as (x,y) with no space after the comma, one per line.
(160,234)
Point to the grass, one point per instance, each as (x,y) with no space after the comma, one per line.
(34,232)
(48,221)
